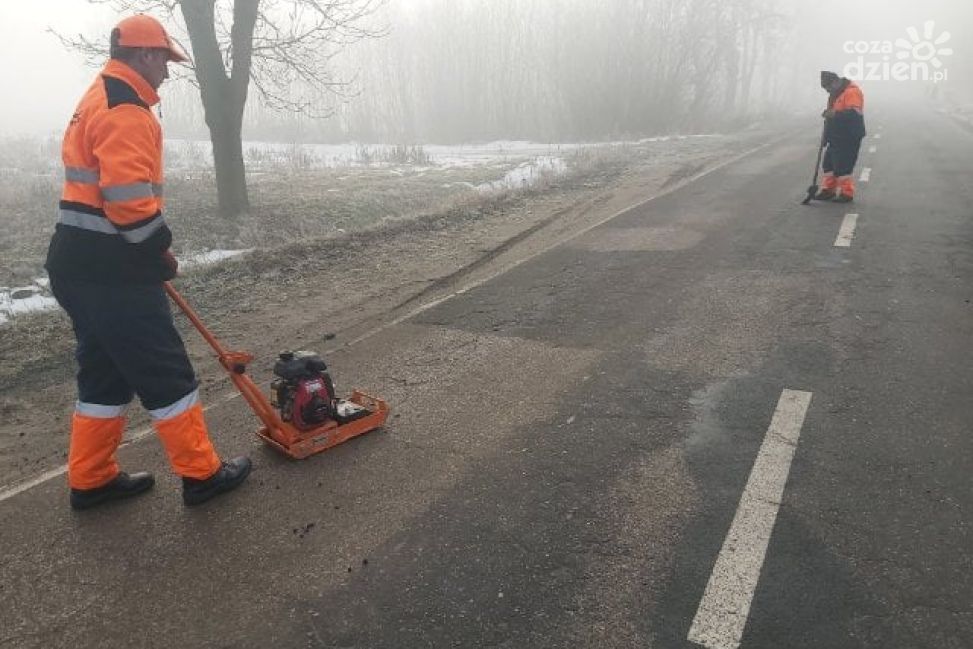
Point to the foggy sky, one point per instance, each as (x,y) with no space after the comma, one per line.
(46,80)
(42,81)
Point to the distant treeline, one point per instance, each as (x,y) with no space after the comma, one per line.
(476,70)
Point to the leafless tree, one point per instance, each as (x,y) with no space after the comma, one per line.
(460,70)
(282,48)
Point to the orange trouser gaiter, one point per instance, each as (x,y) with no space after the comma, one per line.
(91,458)
(188,445)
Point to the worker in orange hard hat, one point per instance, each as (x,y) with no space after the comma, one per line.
(844,131)
(107,261)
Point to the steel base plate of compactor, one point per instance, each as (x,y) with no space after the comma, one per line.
(300,444)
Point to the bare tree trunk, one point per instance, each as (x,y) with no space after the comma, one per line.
(731,63)
(224,96)
(749,66)
(231,180)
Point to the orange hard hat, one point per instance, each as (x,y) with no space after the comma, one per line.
(146,31)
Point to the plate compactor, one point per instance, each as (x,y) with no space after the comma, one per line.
(304,416)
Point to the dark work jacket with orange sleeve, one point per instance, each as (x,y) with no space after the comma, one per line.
(848,123)
(110,226)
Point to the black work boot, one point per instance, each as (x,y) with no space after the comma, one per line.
(229,476)
(825,195)
(122,486)
(845,198)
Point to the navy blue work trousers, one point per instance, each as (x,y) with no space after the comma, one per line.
(841,156)
(127,343)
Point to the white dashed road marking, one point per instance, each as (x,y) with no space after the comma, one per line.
(873,149)
(847,231)
(725,607)
(866,174)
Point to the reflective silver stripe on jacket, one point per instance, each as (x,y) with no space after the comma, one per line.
(127,192)
(95,223)
(112,193)
(87,221)
(143,232)
(81,175)
(99,411)
(175,409)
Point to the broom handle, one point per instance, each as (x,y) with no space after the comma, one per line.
(817,165)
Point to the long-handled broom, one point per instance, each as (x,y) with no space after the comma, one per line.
(812,191)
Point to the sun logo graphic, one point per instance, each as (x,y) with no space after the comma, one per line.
(925,49)
(917,58)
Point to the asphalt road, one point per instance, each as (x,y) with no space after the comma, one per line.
(585,448)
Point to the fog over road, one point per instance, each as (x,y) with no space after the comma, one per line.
(575,441)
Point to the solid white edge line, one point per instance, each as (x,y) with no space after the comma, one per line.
(141,434)
(50,474)
(847,231)
(33,482)
(725,607)
(136,436)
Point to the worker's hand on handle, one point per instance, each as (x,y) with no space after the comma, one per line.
(828,114)
(171,264)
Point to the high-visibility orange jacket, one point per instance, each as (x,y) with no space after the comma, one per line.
(848,103)
(850,98)
(110,227)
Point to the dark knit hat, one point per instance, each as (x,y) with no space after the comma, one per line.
(827,78)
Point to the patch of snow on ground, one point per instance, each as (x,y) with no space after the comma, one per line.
(209,257)
(526,174)
(29,299)
(197,154)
